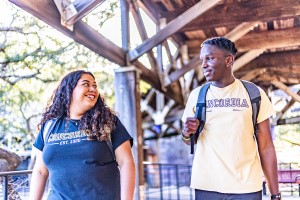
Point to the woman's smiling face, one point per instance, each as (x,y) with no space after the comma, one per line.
(84,96)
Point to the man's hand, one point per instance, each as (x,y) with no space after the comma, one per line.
(190,127)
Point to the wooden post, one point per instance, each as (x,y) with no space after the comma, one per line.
(127,95)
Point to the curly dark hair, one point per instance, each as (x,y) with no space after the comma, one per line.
(222,43)
(97,122)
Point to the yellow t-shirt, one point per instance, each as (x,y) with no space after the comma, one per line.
(226,158)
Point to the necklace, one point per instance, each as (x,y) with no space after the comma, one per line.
(76,122)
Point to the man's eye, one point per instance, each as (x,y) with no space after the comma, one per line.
(85,84)
(95,86)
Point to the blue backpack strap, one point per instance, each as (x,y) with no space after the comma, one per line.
(200,113)
(255,99)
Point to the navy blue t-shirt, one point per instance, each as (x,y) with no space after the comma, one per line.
(78,167)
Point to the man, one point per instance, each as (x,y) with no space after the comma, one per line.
(229,161)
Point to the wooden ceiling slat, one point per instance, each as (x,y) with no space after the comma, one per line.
(261,40)
(240,30)
(283,60)
(286,89)
(246,58)
(239,12)
(285,108)
(172,28)
(142,31)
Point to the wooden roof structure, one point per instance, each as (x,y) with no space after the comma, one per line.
(266,33)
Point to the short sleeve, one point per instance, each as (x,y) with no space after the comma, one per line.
(120,135)
(266,109)
(39,141)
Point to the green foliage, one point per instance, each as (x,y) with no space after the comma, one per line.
(33,58)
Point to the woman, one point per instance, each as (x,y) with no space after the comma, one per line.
(73,146)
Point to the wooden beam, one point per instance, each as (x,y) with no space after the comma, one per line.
(174,76)
(246,58)
(81,7)
(142,31)
(286,108)
(259,40)
(253,74)
(269,39)
(47,11)
(149,9)
(270,77)
(286,89)
(147,75)
(288,60)
(240,30)
(172,27)
(239,12)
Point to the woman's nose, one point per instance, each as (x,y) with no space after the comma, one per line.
(92,88)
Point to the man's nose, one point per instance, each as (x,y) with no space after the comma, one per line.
(203,64)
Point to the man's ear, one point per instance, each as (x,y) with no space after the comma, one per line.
(229,60)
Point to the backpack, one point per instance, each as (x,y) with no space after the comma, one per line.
(255,99)
(50,124)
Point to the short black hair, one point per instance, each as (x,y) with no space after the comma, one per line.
(222,43)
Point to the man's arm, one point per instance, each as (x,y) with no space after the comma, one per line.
(268,156)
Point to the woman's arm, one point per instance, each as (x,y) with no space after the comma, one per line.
(268,156)
(39,178)
(127,170)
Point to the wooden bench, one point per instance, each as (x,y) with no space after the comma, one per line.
(287,176)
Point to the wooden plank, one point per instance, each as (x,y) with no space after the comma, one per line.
(82,33)
(174,76)
(83,8)
(288,60)
(171,91)
(285,108)
(142,31)
(253,74)
(240,30)
(286,89)
(168,4)
(260,40)
(125,25)
(246,58)
(239,12)
(172,27)
(269,39)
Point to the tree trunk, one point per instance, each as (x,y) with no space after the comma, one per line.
(9,161)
